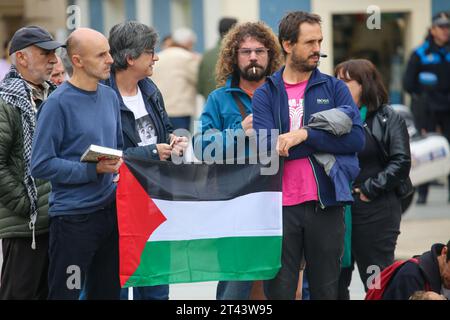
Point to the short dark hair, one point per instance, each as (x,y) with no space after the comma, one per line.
(66,61)
(225,24)
(374,93)
(129,40)
(289,26)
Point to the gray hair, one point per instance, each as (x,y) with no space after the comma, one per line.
(13,57)
(62,53)
(184,37)
(129,40)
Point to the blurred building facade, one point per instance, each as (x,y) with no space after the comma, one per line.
(50,14)
(402,23)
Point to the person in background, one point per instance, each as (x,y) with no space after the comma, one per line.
(207,74)
(427,80)
(432,273)
(176,77)
(5,61)
(166,42)
(59,72)
(426,295)
(66,62)
(385,162)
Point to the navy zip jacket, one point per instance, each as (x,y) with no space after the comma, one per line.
(323,92)
(154,104)
(412,277)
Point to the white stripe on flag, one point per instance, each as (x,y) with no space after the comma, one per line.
(255,214)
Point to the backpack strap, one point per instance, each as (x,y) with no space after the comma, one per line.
(239,104)
(385,277)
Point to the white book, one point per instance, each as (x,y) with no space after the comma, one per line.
(96,153)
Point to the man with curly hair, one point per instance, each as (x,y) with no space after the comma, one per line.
(249,53)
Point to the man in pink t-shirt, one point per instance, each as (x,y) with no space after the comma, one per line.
(299,183)
(313,217)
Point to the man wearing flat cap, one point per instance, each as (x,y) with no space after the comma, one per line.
(23,199)
(427,80)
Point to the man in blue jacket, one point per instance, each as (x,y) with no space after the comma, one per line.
(249,53)
(146,127)
(313,220)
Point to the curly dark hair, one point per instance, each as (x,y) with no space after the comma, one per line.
(227,62)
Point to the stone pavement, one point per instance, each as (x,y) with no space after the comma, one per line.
(423,225)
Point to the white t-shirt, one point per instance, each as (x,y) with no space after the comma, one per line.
(144,123)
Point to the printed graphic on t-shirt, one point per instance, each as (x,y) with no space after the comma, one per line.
(296,113)
(299,183)
(146,130)
(144,123)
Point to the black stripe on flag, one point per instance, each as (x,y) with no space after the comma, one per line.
(165,180)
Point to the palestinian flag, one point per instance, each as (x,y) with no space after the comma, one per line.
(197,222)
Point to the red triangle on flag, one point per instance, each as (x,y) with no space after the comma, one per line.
(138,217)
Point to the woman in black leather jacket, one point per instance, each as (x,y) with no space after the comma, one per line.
(385,163)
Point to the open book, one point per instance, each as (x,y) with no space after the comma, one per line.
(96,153)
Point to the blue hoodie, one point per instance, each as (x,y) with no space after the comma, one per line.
(323,92)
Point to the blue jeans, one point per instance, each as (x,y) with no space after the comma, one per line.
(305,287)
(147,293)
(234,290)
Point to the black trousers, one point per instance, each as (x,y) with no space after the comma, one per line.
(24,270)
(318,234)
(375,231)
(84,255)
(434,120)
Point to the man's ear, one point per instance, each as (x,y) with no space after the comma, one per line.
(287,46)
(21,58)
(130,61)
(444,252)
(76,60)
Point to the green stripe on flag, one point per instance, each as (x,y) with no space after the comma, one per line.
(237,258)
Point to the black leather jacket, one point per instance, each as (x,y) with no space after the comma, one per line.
(390,132)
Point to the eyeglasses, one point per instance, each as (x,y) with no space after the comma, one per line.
(258,51)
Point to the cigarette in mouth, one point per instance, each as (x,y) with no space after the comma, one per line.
(254,70)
